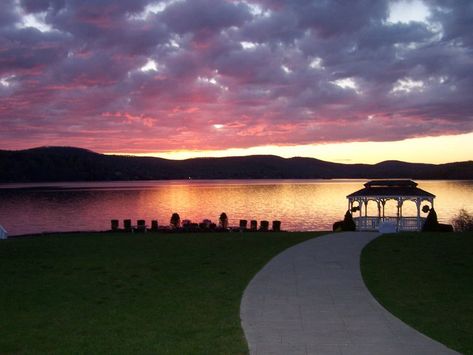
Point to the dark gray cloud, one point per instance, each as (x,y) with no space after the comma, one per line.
(162,74)
(204,16)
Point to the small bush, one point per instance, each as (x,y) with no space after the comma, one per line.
(223,220)
(463,221)
(175,220)
(431,222)
(348,224)
(337,226)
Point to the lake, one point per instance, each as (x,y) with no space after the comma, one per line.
(300,204)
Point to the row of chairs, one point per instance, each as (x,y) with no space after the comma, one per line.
(142,227)
(264,225)
(128,227)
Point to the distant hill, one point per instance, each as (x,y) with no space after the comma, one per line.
(75,164)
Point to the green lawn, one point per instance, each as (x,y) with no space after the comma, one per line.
(425,279)
(128,294)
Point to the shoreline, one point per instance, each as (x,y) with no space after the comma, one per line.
(52,185)
(179,232)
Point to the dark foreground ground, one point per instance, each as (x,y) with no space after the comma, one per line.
(425,279)
(130,293)
(180,293)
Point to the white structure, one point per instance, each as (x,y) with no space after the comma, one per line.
(381,191)
(3,233)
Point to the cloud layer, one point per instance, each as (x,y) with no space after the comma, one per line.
(139,76)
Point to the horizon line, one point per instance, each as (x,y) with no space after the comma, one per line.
(159,156)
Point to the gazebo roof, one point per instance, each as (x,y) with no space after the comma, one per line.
(391,188)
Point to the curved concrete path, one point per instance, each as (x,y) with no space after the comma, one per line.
(311,299)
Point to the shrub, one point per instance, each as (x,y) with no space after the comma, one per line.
(445,227)
(348,222)
(175,220)
(223,220)
(431,222)
(337,226)
(463,221)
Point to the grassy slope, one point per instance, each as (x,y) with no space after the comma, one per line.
(425,279)
(99,293)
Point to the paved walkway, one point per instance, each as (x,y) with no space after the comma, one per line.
(311,299)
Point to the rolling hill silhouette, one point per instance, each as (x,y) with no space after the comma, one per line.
(77,164)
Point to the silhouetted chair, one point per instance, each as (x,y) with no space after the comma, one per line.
(264,226)
(114,225)
(127,225)
(154,225)
(276,226)
(141,226)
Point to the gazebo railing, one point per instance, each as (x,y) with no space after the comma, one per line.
(367,223)
(402,223)
(410,224)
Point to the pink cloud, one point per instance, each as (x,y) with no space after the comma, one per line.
(304,72)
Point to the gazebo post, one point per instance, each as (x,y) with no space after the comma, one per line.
(397,208)
(401,203)
(397,214)
(418,203)
(379,211)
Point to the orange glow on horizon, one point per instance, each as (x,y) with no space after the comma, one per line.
(436,150)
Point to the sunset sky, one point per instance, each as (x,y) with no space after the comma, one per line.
(345,81)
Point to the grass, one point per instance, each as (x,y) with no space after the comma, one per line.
(125,294)
(425,279)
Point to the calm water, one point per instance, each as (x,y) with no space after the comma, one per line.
(299,204)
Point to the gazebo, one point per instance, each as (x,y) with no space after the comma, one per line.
(381,191)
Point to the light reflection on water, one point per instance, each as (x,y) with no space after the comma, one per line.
(299,204)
